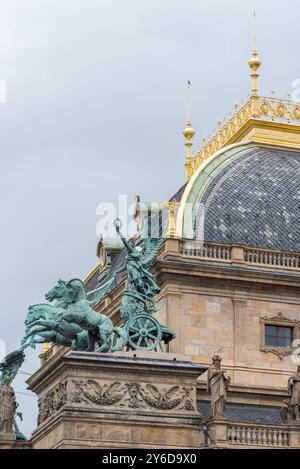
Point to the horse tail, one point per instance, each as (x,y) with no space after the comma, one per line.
(122,338)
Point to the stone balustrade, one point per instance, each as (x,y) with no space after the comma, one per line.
(258,436)
(240,254)
(272,258)
(207,250)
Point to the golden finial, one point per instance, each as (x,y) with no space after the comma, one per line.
(254,62)
(188,134)
(236,106)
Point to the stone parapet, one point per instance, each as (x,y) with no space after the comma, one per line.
(119,400)
(10,442)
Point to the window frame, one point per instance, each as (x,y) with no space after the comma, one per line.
(278,320)
(277,335)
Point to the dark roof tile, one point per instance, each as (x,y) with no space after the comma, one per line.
(245,413)
(255,201)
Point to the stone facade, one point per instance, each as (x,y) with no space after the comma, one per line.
(217,310)
(221,306)
(150,400)
(117,400)
(132,400)
(218,298)
(214,309)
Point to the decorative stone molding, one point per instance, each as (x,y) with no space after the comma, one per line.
(117,395)
(133,395)
(117,400)
(52,402)
(280,318)
(281,352)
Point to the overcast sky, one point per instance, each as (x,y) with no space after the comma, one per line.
(96,105)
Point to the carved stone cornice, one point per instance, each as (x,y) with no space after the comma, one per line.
(157,365)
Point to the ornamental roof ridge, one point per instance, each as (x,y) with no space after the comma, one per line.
(256,109)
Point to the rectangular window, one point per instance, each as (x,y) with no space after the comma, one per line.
(278,336)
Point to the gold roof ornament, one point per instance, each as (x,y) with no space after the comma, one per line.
(254,62)
(188,134)
(263,120)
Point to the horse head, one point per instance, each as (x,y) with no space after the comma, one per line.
(35,312)
(57,292)
(75,290)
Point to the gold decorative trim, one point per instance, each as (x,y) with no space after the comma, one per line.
(90,274)
(258,110)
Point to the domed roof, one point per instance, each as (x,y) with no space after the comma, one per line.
(249,195)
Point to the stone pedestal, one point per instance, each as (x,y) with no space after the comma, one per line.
(217,433)
(119,400)
(7,441)
(294,434)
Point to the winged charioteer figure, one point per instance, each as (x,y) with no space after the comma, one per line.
(138,302)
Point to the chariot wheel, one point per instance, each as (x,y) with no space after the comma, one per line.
(144,332)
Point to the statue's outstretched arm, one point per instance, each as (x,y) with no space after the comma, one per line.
(126,243)
(118,226)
